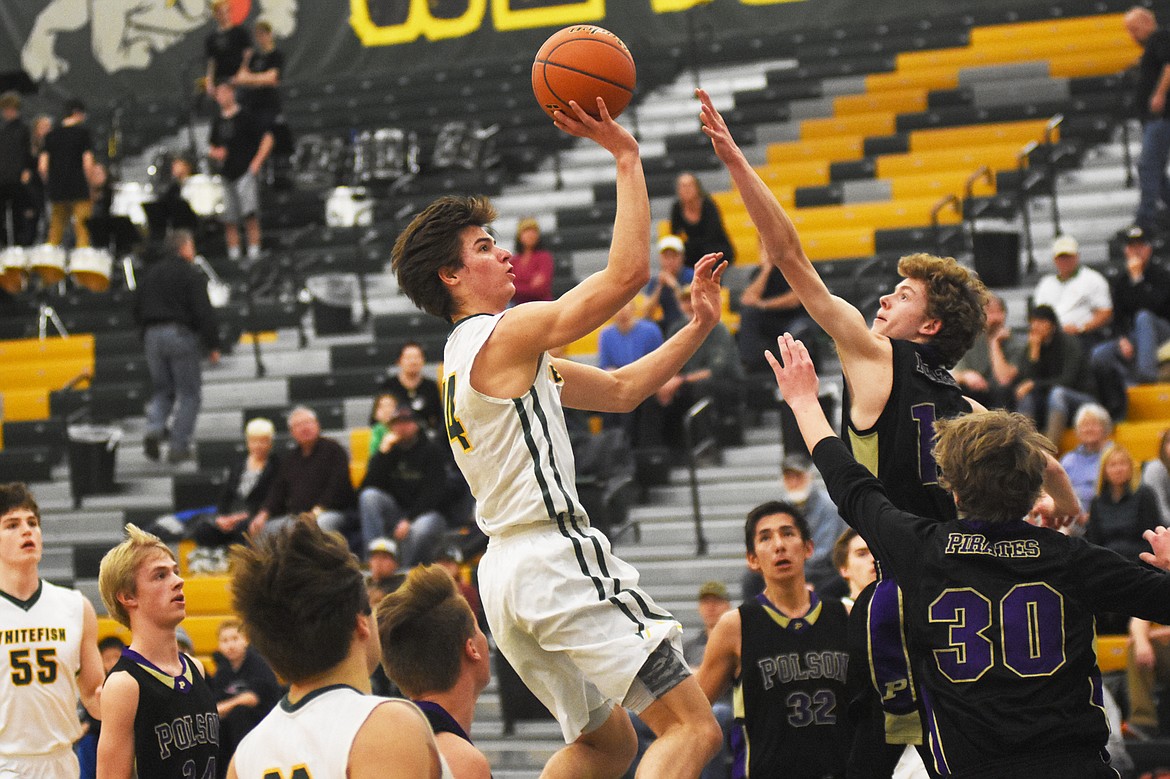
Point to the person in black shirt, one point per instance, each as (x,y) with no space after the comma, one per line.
(1000,612)
(412,389)
(178,322)
(1150,105)
(240,144)
(245,490)
(695,217)
(226,47)
(258,81)
(1054,374)
(244,686)
(15,168)
(67,167)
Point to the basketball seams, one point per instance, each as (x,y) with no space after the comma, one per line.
(579,72)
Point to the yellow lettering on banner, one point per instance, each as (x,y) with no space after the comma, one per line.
(504,17)
(419,24)
(671,6)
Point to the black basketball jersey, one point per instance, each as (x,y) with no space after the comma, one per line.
(176,726)
(1001,625)
(790,700)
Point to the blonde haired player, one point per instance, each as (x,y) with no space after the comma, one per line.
(48,652)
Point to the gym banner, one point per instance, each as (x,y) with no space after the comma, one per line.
(110,48)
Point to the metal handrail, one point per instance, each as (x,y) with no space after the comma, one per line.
(695,450)
(947,200)
(1023,162)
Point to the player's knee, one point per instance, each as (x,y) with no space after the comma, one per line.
(708,734)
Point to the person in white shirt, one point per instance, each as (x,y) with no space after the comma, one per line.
(1078,294)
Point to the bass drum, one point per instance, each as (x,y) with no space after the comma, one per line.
(48,262)
(91,268)
(13,269)
(204,193)
(129,198)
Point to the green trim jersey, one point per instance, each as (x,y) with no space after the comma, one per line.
(514,452)
(40,656)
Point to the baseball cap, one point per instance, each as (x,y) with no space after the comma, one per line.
(1065,245)
(1136,234)
(713,589)
(796,462)
(383,545)
(670,242)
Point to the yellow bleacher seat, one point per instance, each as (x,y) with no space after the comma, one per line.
(1016,51)
(1045,28)
(1112,653)
(881,215)
(201,628)
(1092,63)
(108,627)
(943,77)
(870,124)
(832,149)
(24,405)
(730,202)
(1149,403)
(978,135)
(207,595)
(1140,438)
(359,444)
(818,244)
(901,101)
(32,349)
(51,374)
(960,158)
(938,184)
(804,173)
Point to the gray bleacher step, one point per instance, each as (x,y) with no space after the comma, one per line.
(765,468)
(719,493)
(682,531)
(282,362)
(653,514)
(677,552)
(725,567)
(762,449)
(143,492)
(243,394)
(57,563)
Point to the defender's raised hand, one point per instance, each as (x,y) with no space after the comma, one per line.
(715,128)
(706,297)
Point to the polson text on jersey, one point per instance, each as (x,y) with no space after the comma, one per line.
(789,668)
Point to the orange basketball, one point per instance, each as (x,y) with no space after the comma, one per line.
(583,63)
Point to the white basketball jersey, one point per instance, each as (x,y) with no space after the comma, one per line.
(514,452)
(311,738)
(40,655)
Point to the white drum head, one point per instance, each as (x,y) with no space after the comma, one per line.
(91,268)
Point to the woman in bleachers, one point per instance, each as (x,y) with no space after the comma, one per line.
(1093,427)
(244,491)
(384,405)
(1156,476)
(1123,508)
(696,218)
(532,264)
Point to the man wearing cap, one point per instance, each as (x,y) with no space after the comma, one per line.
(1078,294)
(662,291)
(382,556)
(404,490)
(714,602)
(1141,318)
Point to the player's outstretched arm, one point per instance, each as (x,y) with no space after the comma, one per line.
(1159,541)
(91,674)
(622,390)
(115,753)
(797,379)
(781,243)
(721,658)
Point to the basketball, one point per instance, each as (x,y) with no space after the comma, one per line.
(583,63)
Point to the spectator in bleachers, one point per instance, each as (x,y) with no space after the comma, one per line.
(1054,374)
(385,405)
(178,322)
(1150,106)
(626,339)
(1141,322)
(67,166)
(244,686)
(240,143)
(225,47)
(1093,427)
(413,389)
(1156,476)
(662,290)
(1148,668)
(532,264)
(1123,509)
(696,218)
(16,168)
(854,561)
(714,602)
(768,308)
(450,559)
(110,648)
(404,492)
(258,77)
(1078,294)
(34,191)
(313,478)
(382,556)
(245,490)
(988,371)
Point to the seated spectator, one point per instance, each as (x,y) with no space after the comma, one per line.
(245,687)
(1148,668)
(1156,476)
(854,561)
(244,491)
(405,490)
(662,290)
(1079,295)
(1122,509)
(414,390)
(713,604)
(450,560)
(382,556)
(628,338)
(987,372)
(1054,374)
(384,406)
(695,217)
(1141,320)
(313,478)
(532,265)
(110,648)
(768,308)
(1082,463)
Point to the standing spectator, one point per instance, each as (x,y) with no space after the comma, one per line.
(1156,476)
(768,307)
(404,491)
(1141,322)
(854,561)
(33,200)
(259,77)
(1150,105)
(1054,374)
(626,339)
(1123,509)
(696,218)
(532,264)
(177,322)
(16,168)
(988,371)
(244,686)
(313,478)
(1093,427)
(662,291)
(240,144)
(414,390)
(225,47)
(245,490)
(67,166)
(1078,294)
